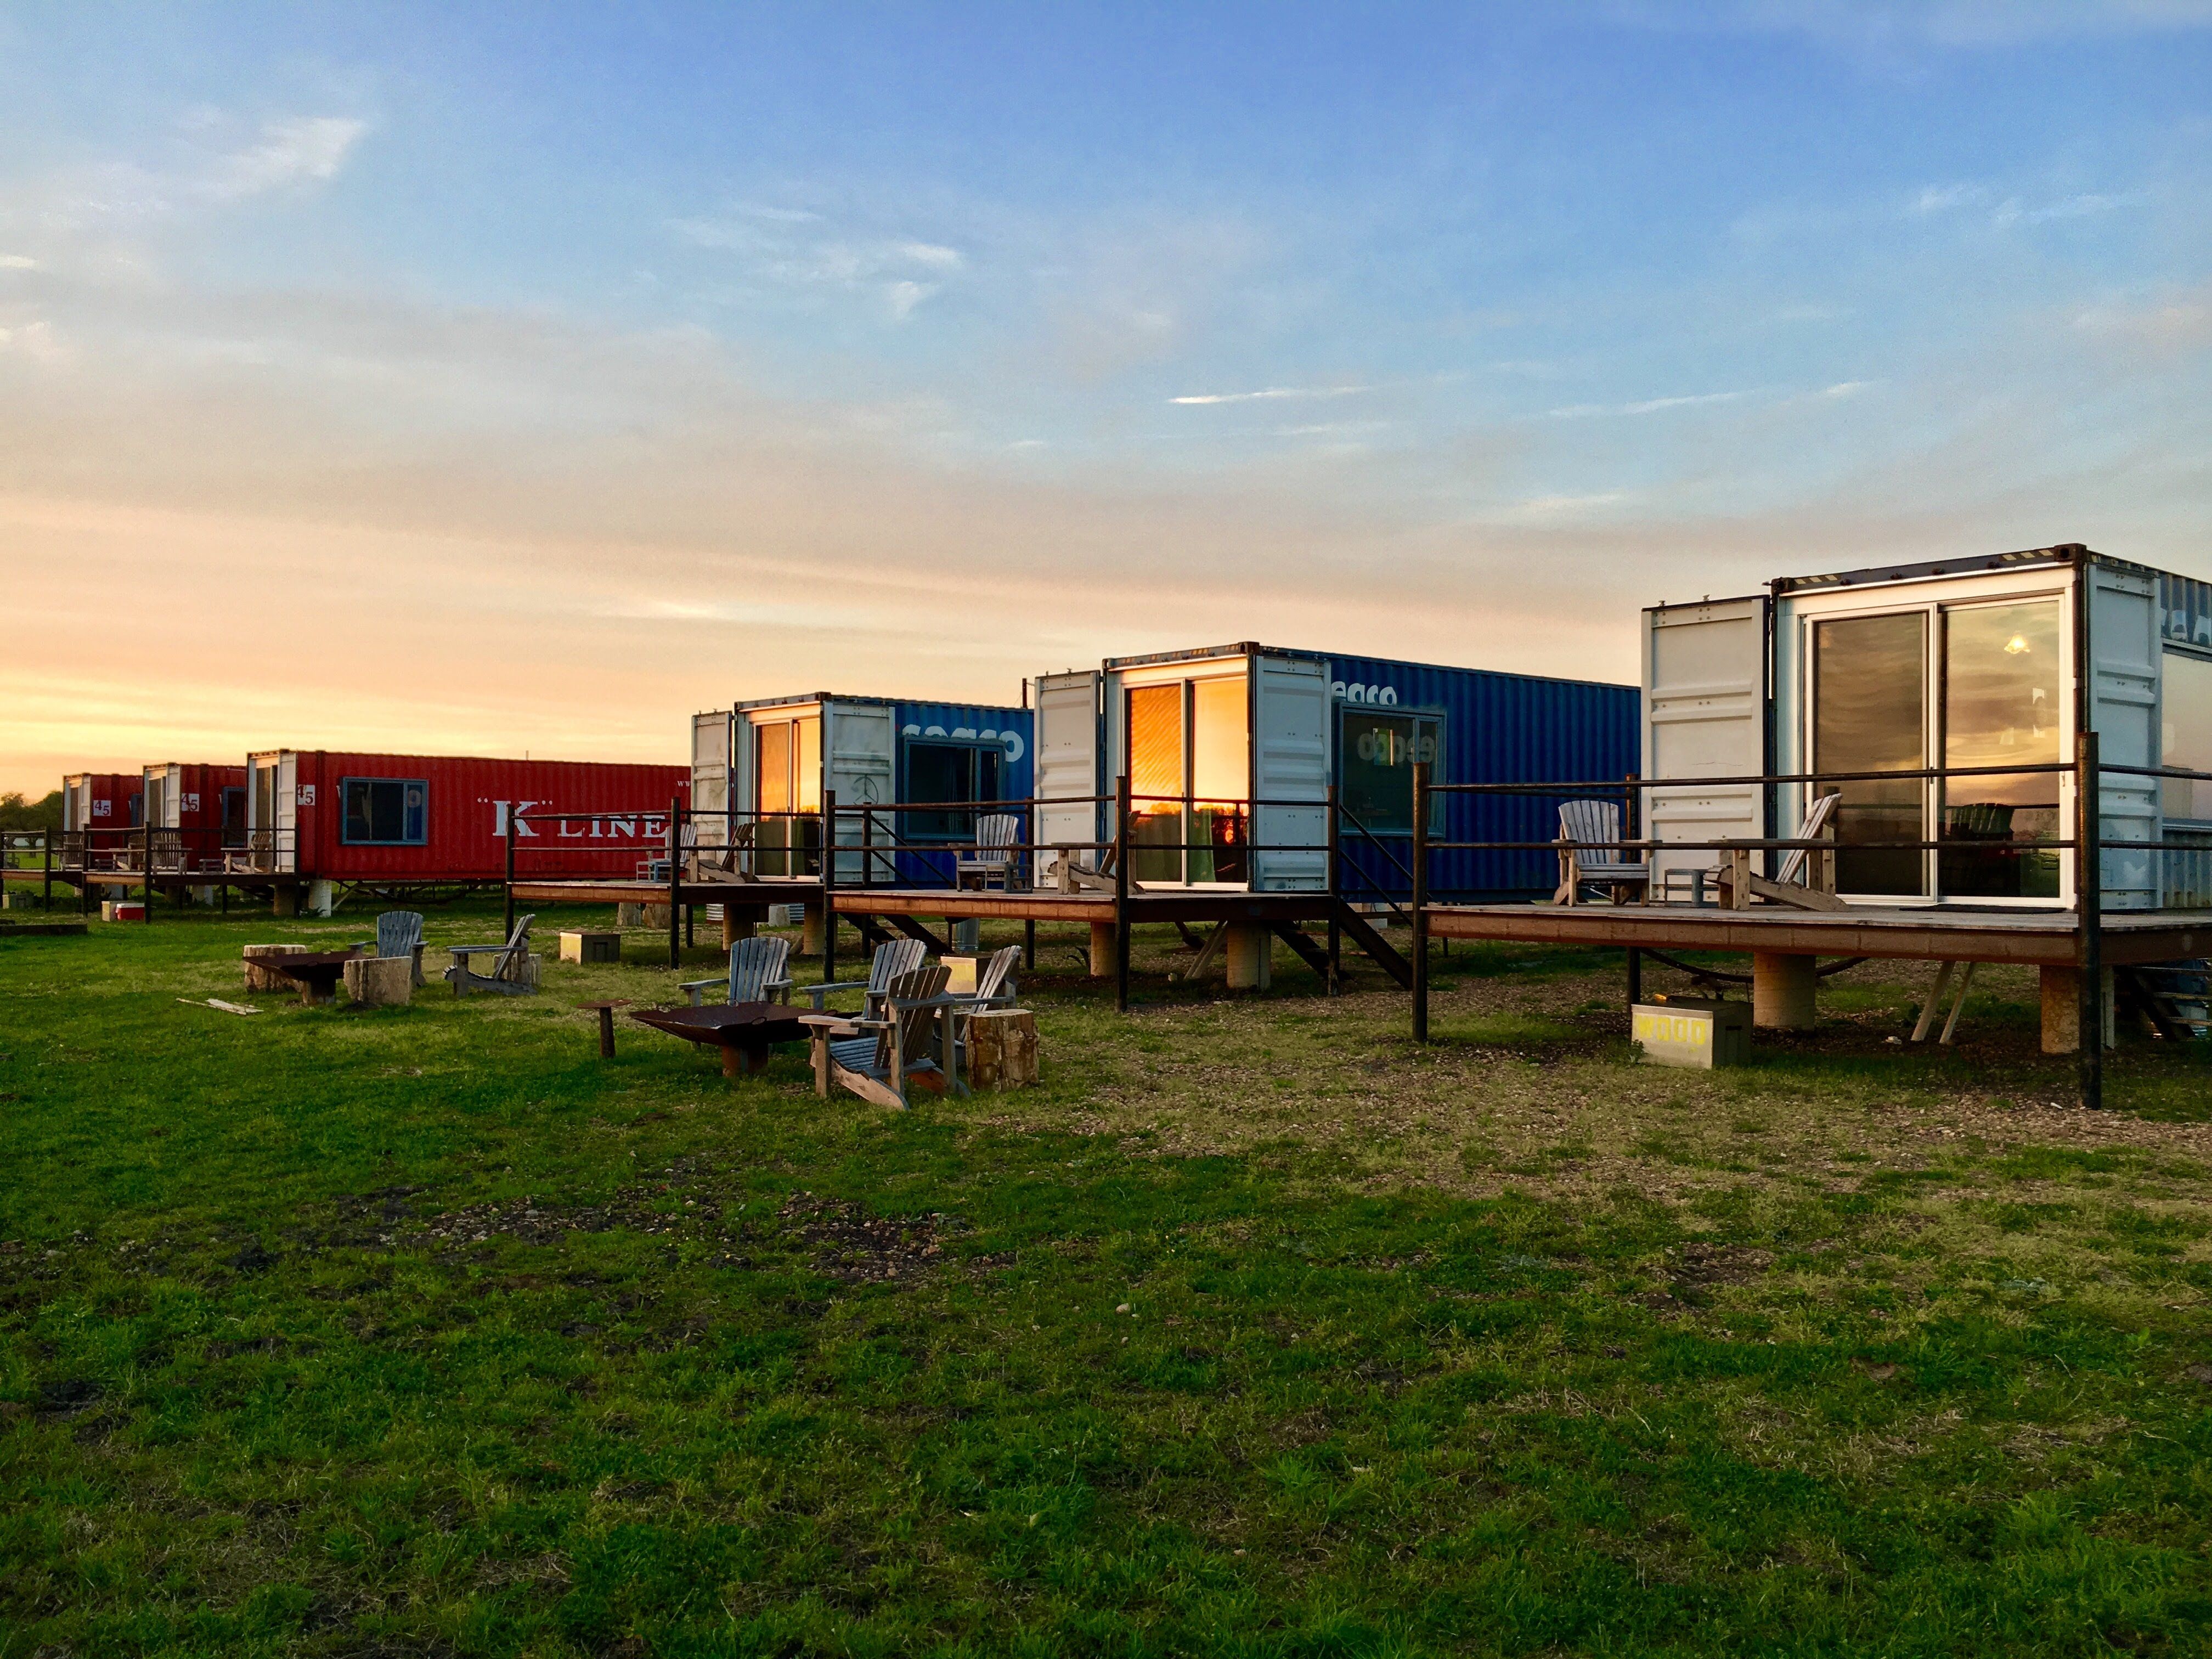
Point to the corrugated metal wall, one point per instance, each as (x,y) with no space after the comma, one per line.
(469,800)
(1497,728)
(1011,730)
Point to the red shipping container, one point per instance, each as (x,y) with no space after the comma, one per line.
(202,809)
(98,811)
(337,816)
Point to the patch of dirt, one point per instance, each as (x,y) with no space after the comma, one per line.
(854,1246)
(1718,1264)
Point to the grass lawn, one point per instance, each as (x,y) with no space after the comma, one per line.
(1253,1331)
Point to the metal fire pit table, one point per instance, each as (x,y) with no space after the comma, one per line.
(744,1031)
(317,973)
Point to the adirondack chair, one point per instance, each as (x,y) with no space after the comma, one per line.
(727,862)
(510,974)
(878,1058)
(398,933)
(995,988)
(1796,881)
(1068,876)
(993,854)
(892,958)
(1590,854)
(758,972)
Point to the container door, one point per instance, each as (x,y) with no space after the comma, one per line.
(710,778)
(860,752)
(1290,762)
(288,812)
(2124,711)
(1704,715)
(1067,764)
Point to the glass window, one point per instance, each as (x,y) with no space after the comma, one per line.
(1155,782)
(2003,684)
(1220,779)
(1376,752)
(384,812)
(949,772)
(772,768)
(234,817)
(806,785)
(787,779)
(1870,714)
(2185,735)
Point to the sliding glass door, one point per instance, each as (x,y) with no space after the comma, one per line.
(2001,679)
(787,779)
(1871,714)
(1983,685)
(1190,768)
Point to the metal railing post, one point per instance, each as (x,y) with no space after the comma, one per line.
(1121,894)
(46,870)
(1334,887)
(148,886)
(675,881)
(830,884)
(2089,908)
(507,925)
(1631,801)
(1420,929)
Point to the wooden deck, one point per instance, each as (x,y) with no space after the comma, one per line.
(1154,904)
(164,880)
(742,895)
(2029,937)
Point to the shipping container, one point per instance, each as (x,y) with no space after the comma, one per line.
(773,755)
(1977,662)
(1230,750)
(419,819)
(199,814)
(98,810)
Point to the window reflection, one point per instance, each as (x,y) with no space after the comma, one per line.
(1190,750)
(787,779)
(1155,770)
(1870,715)
(1220,779)
(2185,737)
(2002,686)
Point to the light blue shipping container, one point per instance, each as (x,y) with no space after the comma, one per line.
(779,755)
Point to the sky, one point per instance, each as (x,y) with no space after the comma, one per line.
(507,380)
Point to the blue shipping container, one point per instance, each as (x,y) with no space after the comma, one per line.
(1305,720)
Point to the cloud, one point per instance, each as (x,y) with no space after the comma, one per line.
(2175,320)
(1271,393)
(1845,388)
(17,262)
(1886,24)
(1553,507)
(905,296)
(201,171)
(2013,212)
(2012,209)
(1941,199)
(1648,406)
(309,150)
(803,252)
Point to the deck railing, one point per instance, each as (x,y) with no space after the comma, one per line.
(2178,871)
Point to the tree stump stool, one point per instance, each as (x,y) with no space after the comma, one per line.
(258,978)
(1002,1048)
(381,982)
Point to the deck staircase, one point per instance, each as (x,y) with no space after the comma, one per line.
(2173,999)
(1363,933)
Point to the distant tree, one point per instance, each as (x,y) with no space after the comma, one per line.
(19,812)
